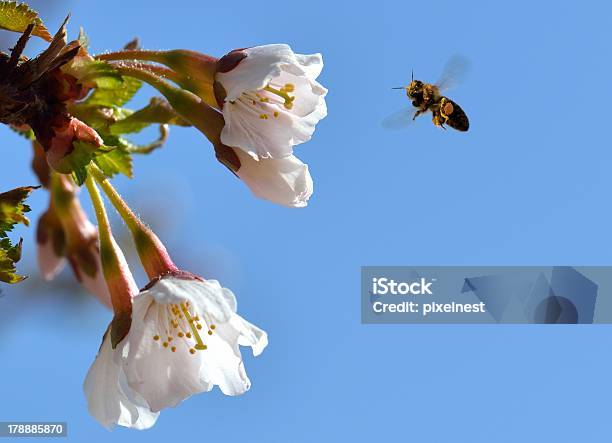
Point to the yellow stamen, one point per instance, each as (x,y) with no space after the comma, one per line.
(199,343)
(282,93)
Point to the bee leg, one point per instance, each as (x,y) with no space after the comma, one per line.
(436,120)
(417,113)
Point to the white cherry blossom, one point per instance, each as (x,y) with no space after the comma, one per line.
(270,99)
(109,398)
(185,338)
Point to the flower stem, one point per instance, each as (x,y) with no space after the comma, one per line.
(133,54)
(96,200)
(153,254)
(189,106)
(119,279)
(192,62)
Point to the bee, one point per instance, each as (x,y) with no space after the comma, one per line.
(427,97)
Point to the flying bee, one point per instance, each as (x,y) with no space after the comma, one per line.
(427,97)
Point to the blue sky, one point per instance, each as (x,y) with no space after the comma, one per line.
(528,184)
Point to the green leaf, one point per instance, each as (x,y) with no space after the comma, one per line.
(117,161)
(9,256)
(18,16)
(13,208)
(111,88)
(113,94)
(76,162)
(98,117)
(134,148)
(111,159)
(91,71)
(157,111)
(12,211)
(27,133)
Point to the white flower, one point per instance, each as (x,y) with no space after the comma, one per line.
(285,181)
(185,338)
(272,99)
(109,399)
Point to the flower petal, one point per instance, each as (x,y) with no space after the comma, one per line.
(109,399)
(240,331)
(222,364)
(49,263)
(205,295)
(250,335)
(312,64)
(309,94)
(285,181)
(163,378)
(260,138)
(255,71)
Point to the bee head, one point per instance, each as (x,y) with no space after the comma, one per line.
(414,88)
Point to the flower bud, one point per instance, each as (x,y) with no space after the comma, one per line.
(77,241)
(61,143)
(51,244)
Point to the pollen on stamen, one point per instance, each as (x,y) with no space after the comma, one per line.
(199,326)
(192,351)
(173,348)
(156,337)
(180,334)
(289,87)
(263,116)
(212,327)
(209,332)
(188,335)
(165,344)
(275,114)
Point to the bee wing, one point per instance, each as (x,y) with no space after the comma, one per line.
(455,72)
(399,120)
